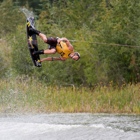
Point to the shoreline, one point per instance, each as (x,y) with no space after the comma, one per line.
(35,97)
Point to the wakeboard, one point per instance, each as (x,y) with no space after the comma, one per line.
(32,42)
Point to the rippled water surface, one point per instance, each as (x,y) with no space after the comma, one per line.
(69,127)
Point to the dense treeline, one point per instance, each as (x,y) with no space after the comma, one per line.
(106,33)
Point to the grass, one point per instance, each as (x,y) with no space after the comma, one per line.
(26,94)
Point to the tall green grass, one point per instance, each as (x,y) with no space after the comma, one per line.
(26,94)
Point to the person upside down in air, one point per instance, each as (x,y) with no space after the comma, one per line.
(59,45)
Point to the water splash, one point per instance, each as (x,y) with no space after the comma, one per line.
(27,13)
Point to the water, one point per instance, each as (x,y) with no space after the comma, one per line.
(26,12)
(70,127)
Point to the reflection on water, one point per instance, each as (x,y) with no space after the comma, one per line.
(69,127)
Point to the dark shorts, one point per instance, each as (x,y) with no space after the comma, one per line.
(52,41)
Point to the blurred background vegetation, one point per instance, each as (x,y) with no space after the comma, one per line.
(105,32)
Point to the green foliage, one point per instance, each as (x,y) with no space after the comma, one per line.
(5,59)
(25,94)
(21,59)
(119,26)
(97,29)
(10,17)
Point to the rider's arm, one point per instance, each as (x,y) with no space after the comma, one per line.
(62,39)
(67,42)
(53,59)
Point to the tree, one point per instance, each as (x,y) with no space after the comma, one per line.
(10,17)
(119,25)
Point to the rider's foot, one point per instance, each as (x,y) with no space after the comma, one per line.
(38,52)
(34,30)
